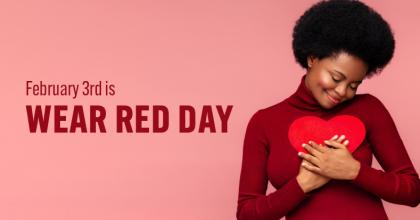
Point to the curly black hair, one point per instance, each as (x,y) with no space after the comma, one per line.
(330,27)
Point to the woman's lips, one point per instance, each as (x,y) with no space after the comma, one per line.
(335,101)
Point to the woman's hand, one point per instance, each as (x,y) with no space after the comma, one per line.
(309,180)
(335,161)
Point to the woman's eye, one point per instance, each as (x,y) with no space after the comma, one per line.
(335,80)
(353,88)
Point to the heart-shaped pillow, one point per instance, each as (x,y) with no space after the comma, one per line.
(312,128)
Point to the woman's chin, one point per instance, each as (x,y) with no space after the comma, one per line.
(327,104)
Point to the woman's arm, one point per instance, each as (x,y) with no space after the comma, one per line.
(400,182)
(253,204)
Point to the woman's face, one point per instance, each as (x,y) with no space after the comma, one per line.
(334,79)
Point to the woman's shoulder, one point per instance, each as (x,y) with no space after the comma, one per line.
(370,104)
(268,112)
(369,99)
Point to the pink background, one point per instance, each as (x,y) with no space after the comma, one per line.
(171,53)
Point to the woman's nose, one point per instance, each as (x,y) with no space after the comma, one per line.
(341,90)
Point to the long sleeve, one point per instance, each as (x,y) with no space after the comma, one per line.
(400,182)
(253,204)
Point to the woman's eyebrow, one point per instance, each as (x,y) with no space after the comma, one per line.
(360,81)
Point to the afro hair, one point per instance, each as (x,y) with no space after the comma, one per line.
(330,27)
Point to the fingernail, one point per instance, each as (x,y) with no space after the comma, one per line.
(300,153)
(343,136)
(346,141)
(326,141)
(335,136)
(303,164)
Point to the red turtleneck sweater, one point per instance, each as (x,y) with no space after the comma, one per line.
(269,156)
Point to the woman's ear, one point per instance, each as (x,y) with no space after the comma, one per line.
(310,60)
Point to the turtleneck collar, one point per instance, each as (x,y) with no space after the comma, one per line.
(303,98)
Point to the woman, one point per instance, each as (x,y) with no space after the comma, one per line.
(339,43)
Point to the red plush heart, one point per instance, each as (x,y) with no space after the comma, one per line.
(313,128)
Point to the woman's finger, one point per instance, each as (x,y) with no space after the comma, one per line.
(309,158)
(311,149)
(334,144)
(318,147)
(311,167)
(341,138)
(334,137)
(346,143)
